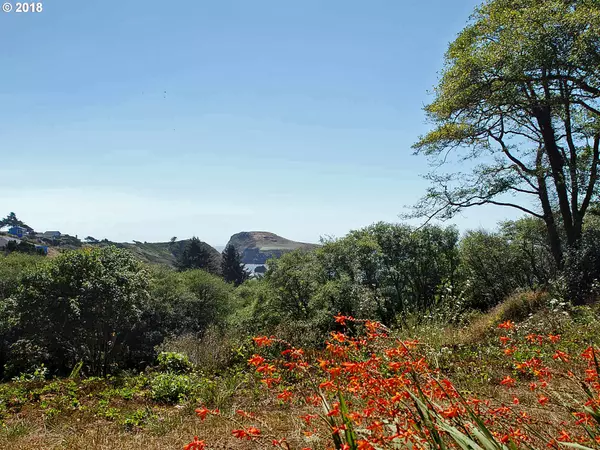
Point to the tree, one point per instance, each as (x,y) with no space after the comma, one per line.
(518,101)
(232,268)
(12,221)
(91,240)
(196,255)
(80,306)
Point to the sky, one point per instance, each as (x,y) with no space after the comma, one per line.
(143,120)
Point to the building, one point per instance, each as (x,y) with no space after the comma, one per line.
(18,231)
(42,248)
(51,234)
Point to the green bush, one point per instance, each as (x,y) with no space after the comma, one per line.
(170,388)
(173,362)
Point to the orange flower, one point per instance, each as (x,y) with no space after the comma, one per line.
(508,325)
(508,381)
(341,319)
(554,338)
(543,400)
(286,396)
(263,341)
(195,445)
(256,360)
(204,411)
(561,356)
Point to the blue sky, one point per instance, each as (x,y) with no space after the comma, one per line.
(150,119)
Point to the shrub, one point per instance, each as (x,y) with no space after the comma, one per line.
(81,306)
(173,362)
(170,388)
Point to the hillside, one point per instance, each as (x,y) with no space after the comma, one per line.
(163,252)
(256,247)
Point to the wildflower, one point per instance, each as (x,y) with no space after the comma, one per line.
(561,356)
(554,338)
(204,411)
(243,413)
(262,341)
(516,401)
(308,417)
(563,436)
(256,360)
(451,412)
(508,325)
(341,319)
(268,369)
(588,353)
(543,400)
(504,340)
(508,381)
(337,429)
(240,434)
(286,396)
(195,445)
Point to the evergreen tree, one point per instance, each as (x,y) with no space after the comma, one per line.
(232,268)
(196,255)
(12,221)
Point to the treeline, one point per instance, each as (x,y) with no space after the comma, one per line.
(103,307)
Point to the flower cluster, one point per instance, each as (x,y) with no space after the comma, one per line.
(368,390)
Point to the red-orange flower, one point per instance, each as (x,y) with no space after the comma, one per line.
(196,444)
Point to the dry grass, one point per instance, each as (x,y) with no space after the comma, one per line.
(172,430)
(517,307)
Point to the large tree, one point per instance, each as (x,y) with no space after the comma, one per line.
(518,105)
(232,268)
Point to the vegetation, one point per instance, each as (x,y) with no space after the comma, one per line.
(392,336)
(12,221)
(519,96)
(197,256)
(232,268)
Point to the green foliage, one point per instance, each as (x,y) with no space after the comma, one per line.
(196,255)
(517,103)
(173,362)
(232,268)
(12,221)
(170,388)
(381,272)
(81,306)
(12,269)
(40,373)
(180,303)
(23,247)
(496,264)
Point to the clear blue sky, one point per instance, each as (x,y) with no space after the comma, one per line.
(150,119)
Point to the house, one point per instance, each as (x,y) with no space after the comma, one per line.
(18,231)
(4,240)
(51,234)
(42,248)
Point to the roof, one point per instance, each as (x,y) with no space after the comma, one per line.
(4,240)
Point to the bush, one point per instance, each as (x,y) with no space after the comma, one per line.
(172,362)
(170,388)
(80,306)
